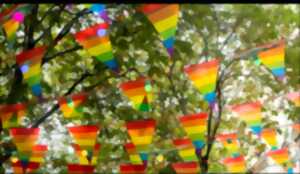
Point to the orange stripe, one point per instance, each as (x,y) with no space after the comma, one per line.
(164,13)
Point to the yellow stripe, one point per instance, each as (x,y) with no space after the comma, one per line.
(141,140)
(195,129)
(167,23)
(135,159)
(137,99)
(100,49)
(33,70)
(86,142)
(270,59)
(187,152)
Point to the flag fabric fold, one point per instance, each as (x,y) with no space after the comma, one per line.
(71,106)
(186,149)
(12,115)
(186,167)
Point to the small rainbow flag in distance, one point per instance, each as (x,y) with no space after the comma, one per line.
(85,136)
(95,40)
(294,97)
(204,77)
(270,136)
(139,92)
(251,114)
(72,106)
(195,127)
(31,167)
(80,169)
(230,142)
(186,167)
(273,58)
(132,169)
(82,155)
(235,164)
(12,115)
(281,157)
(164,17)
(134,156)
(186,149)
(29,62)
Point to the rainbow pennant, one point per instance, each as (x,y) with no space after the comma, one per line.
(24,139)
(12,115)
(85,136)
(80,169)
(186,167)
(294,97)
(281,157)
(99,9)
(72,106)
(270,136)
(195,127)
(251,114)
(134,156)
(273,58)
(30,168)
(82,155)
(186,149)
(235,164)
(230,142)
(29,62)
(95,40)
(139,92)
(164,17)
(132,169)
(204,77)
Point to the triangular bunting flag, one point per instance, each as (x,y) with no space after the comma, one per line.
(81,154)
(186,149)
(12,115)
(139,92)
(204,77)
(251,114)
(186,167)
(132,169)
(95,40)
(230,142)
(29,62)
(294,97)
(80,169)
(270,136)
(164,17)
(72,106)
(235,164)
(195,126)
(281,157)
(134,156)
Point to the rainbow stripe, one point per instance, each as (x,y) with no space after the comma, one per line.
(12,115)
(139,92)
(186,167)
(195,127)
(95,40)
(251,114)
(186,149)
(164,17)
(72,106)
(235,164)
(81,154)
(132,169)
(294,97)
(38,153)
(230,142)
(270,136)
(204,77)
(85,136)
(134,156)
(99,9)
(29,62)
(30,168)
(80,169)
(281,157)
(273,58)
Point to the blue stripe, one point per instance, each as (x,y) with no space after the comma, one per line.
(198,144)
(97,7)
(278,71)
(112,64)
(36,89)
(169,42)
(144,156)
(210,97)
(256,129)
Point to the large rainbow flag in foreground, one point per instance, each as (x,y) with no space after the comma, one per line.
(80,169)
(164,17)
(273,58)
(235,164)
(195,126)
(82,155)
(134,156)
(95,40)
(230,142)
(132,169)
(29,62)
(72,106)
(186,149)
(251,114)
(270,136)
(139,92)
(281,157)
(294,97)
(204,77)
(186,167)
(85,137)
(12,115)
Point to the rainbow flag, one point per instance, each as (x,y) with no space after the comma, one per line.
(195,126)
(132,169)
(19,169)
(294,97)
(12,115)
(80,169)
(281,157)
(85,136)
(99,9)
(270,136)
(164,17)
(72,106)
(273,58)
(82,155)
(251,114)
(230,142)
(134,156)
(139,92)
(186,149)
(29,62)
(235,164)
(296,127)
(38,153)
(24,139)
(95,40)
(204,77)
(186,167)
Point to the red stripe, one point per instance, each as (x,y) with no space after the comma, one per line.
(149,8)
(205,65)
(141,124)
(90,32)
(133,84)
(201,115)
(234,160)
(84,128)
(223,137)
(185,165)
(183,141)
(277,152)
(29,54)
(24,131)
(40,147)
(129,146)
(132,167)
(31,165)
(80,168)
(80,96)
(12,108)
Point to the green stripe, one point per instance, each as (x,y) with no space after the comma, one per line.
(34,80)
(197,137)
(105,56)
(207,88)
(190,158)
(168,33)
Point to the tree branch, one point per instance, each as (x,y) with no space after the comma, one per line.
(49,58)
